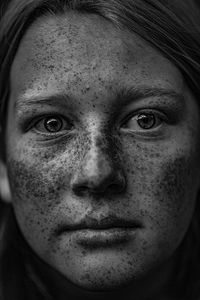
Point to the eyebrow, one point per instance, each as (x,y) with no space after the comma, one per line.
(124,97)
(133,94)
(52,100)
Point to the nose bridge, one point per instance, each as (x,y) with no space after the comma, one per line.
(97,169)
(97,163)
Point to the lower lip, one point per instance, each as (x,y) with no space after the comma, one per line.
(96,238)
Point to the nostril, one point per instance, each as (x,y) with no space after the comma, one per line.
(82,188)
(114,184)
(118,184)
(80,191)
(117,188)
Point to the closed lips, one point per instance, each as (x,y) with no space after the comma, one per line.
(105,223)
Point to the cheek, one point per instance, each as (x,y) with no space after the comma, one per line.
(163,185)
(178,184)
(33,184)
(174,191)
(35,192)
(39,186)
(40,175)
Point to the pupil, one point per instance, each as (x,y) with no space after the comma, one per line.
(146,121)
(53,125)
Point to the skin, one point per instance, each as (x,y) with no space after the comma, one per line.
(102,162)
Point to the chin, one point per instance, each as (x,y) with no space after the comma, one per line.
(101,275)
(101,283)
(110,268)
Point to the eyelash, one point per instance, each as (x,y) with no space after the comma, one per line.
(33,124)
(158,116)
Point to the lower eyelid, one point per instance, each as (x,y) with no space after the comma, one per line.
(46,133)
(30,124)
(158,115)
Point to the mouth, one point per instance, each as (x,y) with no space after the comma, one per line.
(105,223)
(105,232)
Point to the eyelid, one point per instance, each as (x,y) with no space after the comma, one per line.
(29,124)
(157,112)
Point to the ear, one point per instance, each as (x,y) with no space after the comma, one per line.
(5,193)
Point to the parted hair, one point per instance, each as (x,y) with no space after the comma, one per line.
(173,27)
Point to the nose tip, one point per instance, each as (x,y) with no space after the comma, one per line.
(98,174)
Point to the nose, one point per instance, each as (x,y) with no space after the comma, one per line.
(98,173)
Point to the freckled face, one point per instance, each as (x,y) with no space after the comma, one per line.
(102,129)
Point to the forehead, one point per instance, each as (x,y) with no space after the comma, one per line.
(59,51)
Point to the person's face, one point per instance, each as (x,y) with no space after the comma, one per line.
(102,150)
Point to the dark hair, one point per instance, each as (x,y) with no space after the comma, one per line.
(173,27)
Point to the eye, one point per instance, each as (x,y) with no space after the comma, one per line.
(52,124)
(144,121)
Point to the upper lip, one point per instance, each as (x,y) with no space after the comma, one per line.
(107,222)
